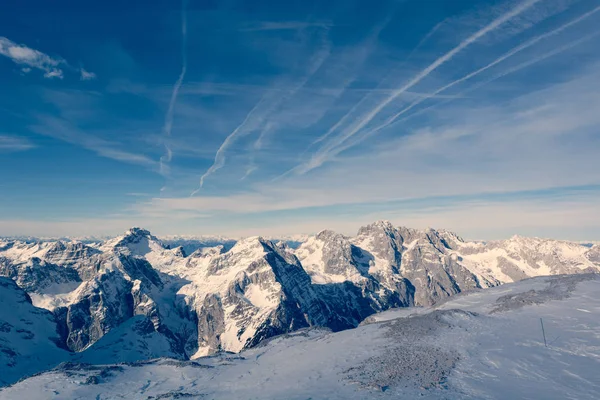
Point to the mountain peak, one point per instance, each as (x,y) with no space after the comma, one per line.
(381,225)
(327,235)
(137,231)
(135,241)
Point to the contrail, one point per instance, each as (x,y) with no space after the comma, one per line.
(497,61)
(425,38)
(509,54)
(220,156)
(219,160)
(509,71)
(341,122)
(169,116)
(322,154)
(369,41)
(542,57)
(314,67)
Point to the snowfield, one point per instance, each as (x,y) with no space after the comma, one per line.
(484,344)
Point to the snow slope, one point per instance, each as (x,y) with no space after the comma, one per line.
(481,345)
(28,337)
(134,340)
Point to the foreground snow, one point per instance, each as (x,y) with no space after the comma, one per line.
(484,344)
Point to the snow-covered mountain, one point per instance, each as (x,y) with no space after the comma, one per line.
(29,340)
(429,265)
(486,344)
(135,297)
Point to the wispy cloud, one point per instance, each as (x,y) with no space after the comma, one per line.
(323,153)
(31,58)
(61,129)
(14,143)
(53,67)
(86,75)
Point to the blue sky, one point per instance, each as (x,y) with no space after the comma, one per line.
(269,117)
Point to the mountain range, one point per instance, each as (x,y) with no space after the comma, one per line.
(136,297)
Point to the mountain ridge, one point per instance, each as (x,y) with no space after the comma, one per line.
(229,298)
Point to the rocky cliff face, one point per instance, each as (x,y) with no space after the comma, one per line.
(255,291)
(412,266)
(229,299)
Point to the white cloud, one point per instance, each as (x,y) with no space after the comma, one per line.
(53,67)
(57,73)
(24,55)
(86,76)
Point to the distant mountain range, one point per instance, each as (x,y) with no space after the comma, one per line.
(136,297)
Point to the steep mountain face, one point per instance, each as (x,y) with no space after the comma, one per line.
(29,341)
(399,263)
(332,260)
(257,290)
(39,276)
(136,296)
(96,307)
(421,257)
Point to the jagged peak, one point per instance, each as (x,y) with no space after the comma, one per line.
(61,245)
(58,245)
(179,251)
(207,251)
(381,225)
(137,231)
(450,233)
(327,234)
(35,261)
(135,241)
(384,223)
(136,234)
(251,242)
